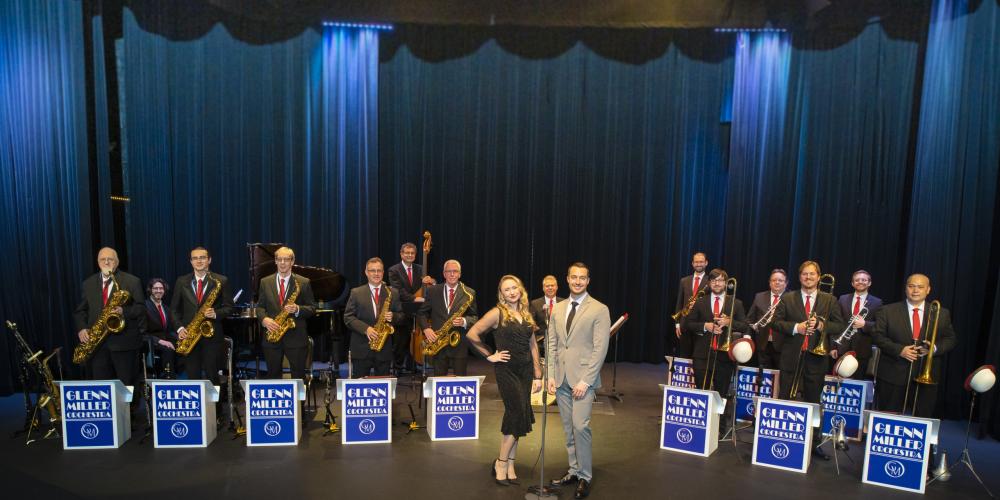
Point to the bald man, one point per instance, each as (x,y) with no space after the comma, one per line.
(116,356)
(902,332)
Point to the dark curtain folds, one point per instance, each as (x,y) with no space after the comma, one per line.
(521,165)
(230,143)
(43,175)
(953,213)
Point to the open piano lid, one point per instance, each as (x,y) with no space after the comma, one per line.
(327,285)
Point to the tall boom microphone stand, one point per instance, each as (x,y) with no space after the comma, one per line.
(541,490)
(613,393)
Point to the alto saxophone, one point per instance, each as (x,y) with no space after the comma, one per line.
(445,335)
(284,321)
(108,322)
(382,327)
(200,326)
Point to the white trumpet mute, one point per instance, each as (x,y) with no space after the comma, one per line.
(982,379)
(846,365)
(741,350)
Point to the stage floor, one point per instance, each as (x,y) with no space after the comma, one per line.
(627,461)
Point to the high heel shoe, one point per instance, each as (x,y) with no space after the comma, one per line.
(495,471)
(511,478)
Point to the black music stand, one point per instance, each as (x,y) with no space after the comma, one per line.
(613,393)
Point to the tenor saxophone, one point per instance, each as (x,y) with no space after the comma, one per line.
(109,321)
(382,327)
(284,321)
(446,336)
(200,326)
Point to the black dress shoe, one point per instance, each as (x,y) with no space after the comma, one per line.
(567,479)
(493,474)
(582,489)
(819,453)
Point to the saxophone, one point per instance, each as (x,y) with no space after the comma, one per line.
(200,326)
(284,321)
(382,327)
(445,335)
(50,399)
(108,322)
(677,316)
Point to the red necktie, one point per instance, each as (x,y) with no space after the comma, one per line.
(697,284)
(376,296)
(715,308)
(916,323)
(201,290)
(857,305)
(104,295)
(451,297)
(409,275)
(163,317)
(551,303)
(805,339)
(770,332)
(281,292)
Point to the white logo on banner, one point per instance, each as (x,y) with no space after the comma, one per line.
(456,423)
(894,469)
(838,421)
(272,428)
(179,430)
(750,408)
(780,451)
(367,426)
(89,431)
(684,435)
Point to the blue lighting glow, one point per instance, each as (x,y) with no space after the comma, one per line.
(364,26)
(750,30)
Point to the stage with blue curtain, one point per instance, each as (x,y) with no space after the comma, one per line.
(865,139)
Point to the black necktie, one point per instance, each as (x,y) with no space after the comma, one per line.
(569,319)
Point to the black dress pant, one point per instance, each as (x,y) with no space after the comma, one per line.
(890,397)
(459,364)
(296,360)
(377,361)
(108,365)
(205,357)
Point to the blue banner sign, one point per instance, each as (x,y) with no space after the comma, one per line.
(897,451)
(747,388)
(844,405)
(367,410)
(272,412)
(88,416)
(689,423)
(783,434)
(682,374)
(179,414)
(456,409)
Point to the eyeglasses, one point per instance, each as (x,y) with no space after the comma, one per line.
(200,257)
(284,259)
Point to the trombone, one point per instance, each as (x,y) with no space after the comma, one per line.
(826,280)
(830,281)
(713,356)
(926,351)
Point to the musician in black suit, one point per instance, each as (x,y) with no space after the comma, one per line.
(803,316)
(115,357)
(158,325)
(408,278)
(766,340)
(851,305)
(689,286)
(541,307)
(190,292)
(362,313)
(274,295)
(708,323)
(440,303)
(902,332)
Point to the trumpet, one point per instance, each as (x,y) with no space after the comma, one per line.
(849,332)
(830,281)
(677,316)
(767,317)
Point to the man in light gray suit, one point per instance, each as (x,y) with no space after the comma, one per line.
(577,343)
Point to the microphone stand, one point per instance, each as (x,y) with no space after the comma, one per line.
(541,490)
(613,393)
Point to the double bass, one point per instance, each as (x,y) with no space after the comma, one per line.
(416,338)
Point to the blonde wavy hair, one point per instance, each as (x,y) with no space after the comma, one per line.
(522,303)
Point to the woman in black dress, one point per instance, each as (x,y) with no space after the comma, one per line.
(518,370)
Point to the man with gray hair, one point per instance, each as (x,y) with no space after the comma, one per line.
(440,303)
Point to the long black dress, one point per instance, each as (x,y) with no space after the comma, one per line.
(514,377)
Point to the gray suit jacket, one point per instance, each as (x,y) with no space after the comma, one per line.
(578,355)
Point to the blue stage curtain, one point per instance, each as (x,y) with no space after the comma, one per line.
(596,149)
(953,224)
(43,174)
(230,143)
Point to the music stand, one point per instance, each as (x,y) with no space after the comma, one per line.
(613,393)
